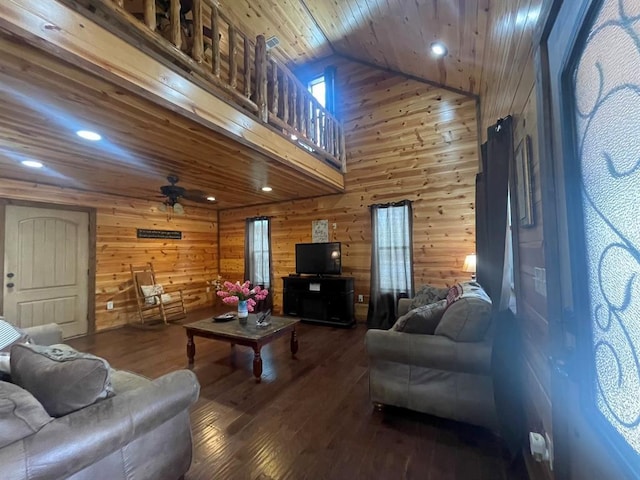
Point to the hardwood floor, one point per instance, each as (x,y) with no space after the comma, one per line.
(310,418)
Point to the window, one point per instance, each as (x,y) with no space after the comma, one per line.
(318,88)
(258,251)
(392,247)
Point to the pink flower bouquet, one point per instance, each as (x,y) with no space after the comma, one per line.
(233,293)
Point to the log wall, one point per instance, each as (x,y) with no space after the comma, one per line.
(404,140)
(185,264)
(508,88)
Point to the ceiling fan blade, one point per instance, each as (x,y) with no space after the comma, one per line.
(196,196)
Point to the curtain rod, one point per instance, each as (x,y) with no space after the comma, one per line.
(401,203)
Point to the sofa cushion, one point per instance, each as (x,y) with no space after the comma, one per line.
(124,381)
(468,318)
(20,414)
(423,320)
(426,295)
(60,378)
(10,335)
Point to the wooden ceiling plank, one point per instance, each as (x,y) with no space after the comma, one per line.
(94,46)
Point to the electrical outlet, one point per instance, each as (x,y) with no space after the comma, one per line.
(109,305)
(360,298)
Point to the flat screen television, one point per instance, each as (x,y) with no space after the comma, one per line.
(318,258)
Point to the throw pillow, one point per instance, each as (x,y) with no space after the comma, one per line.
(21,414)
(150,292)
(426,295)
(61,378)
(10,335)
(423,320)
(454,293)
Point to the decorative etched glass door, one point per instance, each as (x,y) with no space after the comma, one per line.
(594,70)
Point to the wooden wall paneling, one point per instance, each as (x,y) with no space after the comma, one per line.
(185,264)
(404,139)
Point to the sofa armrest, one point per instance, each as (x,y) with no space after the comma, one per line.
(403,306)
(430,351)
(70,443)
(49,334)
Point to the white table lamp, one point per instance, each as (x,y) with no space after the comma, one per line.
(470,265)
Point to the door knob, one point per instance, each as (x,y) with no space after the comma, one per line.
(10,275)
(10,285)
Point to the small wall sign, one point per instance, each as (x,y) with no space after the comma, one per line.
(165,234)
(320,231)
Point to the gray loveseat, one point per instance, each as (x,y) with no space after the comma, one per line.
(142,432)
(446,373)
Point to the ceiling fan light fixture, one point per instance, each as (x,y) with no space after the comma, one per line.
(178,209)
(439,49)
(89,135)
(32,163)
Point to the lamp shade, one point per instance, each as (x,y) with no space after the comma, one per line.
(469,263)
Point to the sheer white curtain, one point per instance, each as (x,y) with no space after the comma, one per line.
(391,261)
(257,258)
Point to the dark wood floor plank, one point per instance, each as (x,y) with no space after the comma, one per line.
(310,418)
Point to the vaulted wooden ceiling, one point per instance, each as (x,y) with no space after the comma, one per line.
(394,34)
(148,142)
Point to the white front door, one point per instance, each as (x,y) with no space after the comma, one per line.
(46,262)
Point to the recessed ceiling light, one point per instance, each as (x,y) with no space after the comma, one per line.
(439,49)
(32,163)
(267,189)
(89,135)
(211,198)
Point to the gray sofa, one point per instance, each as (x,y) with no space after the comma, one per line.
(141,432)
(446,372)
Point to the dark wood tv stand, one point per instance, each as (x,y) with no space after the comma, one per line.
(326,300)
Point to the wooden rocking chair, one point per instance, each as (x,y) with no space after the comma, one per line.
(153,302)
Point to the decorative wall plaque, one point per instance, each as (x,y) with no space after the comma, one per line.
(164,234)
(320,231)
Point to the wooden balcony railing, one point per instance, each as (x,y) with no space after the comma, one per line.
(242,68)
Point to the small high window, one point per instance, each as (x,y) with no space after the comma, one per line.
(318,88)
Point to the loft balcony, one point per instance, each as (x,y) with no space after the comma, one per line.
(186,58)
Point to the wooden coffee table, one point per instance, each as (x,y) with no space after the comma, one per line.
(249,335)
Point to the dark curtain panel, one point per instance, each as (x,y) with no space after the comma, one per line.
(482,243)
(391,261)
(496,185)
(491,226)
(257,257)
(330,88)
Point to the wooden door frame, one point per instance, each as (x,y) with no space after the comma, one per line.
(91,280)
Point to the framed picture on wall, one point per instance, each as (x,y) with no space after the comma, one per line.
(524,191)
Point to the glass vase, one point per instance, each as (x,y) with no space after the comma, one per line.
(243,312)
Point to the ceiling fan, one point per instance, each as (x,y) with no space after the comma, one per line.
(173,193)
